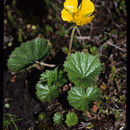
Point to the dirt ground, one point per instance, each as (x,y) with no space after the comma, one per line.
(25,20)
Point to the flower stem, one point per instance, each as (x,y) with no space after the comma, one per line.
(71,39)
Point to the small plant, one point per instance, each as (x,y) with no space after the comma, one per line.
(71,119)
(80,69)
(41,116)
(94,50)
(7,122)
(57,118)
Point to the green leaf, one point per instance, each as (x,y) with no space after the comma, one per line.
(48,86)
(46,93)
(42,116)
(57,118)
(80,99)
(71,119)
(82,68)
(28,53)
(49,28)
(94,50)
(53,77)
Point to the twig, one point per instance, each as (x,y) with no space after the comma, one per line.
(45,64)
(123,126)
(91,29)
(109,43)
(78,31)
(101,49)
(117,25)
(83,125)
(69,29)
(83,37)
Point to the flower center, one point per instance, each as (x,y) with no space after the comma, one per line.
(76,16)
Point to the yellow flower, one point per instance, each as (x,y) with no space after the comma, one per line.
(80,15)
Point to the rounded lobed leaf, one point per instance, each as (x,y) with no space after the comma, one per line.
(57,118)
(46,93)
(52,77)
(82,68)
(28,53)
(71,119)
(80,99)
(93,94)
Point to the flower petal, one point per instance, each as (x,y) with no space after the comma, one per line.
(86,7)
(66,16)
(83,20)
(71,5)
